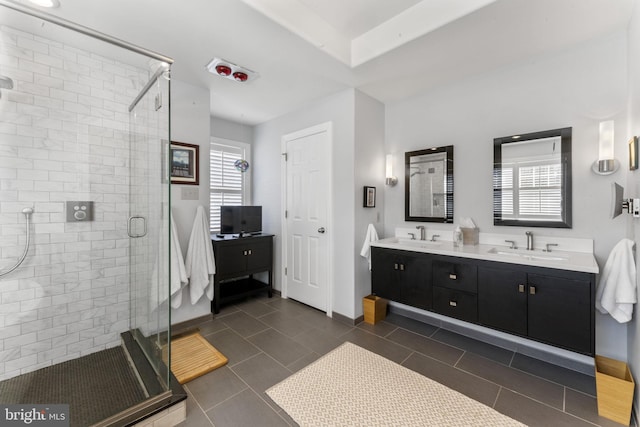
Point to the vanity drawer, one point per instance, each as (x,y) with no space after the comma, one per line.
(461,305)
(454,275)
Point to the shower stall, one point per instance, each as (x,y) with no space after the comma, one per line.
(84,221)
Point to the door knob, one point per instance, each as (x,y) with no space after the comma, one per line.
(321,230)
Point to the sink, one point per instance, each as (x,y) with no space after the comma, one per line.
(530,255)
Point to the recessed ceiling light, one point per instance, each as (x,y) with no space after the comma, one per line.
(46,3)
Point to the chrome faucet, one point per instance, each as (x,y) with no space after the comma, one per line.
(433,237)
(529,240)
(413,236)
(423,232)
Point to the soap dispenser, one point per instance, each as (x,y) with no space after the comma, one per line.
(457,237)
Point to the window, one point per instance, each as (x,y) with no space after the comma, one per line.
(538,193)
(227,185)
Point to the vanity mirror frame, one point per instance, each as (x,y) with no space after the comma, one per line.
(565,184)
(448,179)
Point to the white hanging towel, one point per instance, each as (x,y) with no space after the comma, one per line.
(616,291)
(200,263)
(371,237)
(178,278)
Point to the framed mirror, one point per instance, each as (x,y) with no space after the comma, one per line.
(532,179)
(428,185)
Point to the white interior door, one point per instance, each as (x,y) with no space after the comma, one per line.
(307,209)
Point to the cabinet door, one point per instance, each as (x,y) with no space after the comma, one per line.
(415,281)
(230,258)
(259,254)
(560,311)
(384,273)
(502,299)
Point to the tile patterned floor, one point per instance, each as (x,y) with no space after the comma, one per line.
(266,340)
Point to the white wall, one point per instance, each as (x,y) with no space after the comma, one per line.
(226,129)
(369,171)
(633,128)
(190,124)
(338,109)
(576,88)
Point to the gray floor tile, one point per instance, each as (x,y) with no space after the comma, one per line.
(211,327)
(303,362)
(534,414)
(244,324)
(585,407)
(489,351)
(245,409)
(257,307)
(289,306)
(196,417)
(279,346)
(411,325)
(513,379)
(572,379)
(285,323)
(378,345)
(232,346)
(319,341)
(215,387)
(442,352)
(261,372)
(476,388)
(319,320)
(382,329)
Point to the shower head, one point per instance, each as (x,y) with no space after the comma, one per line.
(5,82)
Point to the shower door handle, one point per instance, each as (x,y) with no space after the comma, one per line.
(130,226)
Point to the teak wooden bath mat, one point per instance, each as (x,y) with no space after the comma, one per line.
(192,356)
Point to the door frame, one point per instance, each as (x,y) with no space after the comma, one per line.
(326,127)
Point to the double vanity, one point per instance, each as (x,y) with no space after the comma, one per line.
(546,296)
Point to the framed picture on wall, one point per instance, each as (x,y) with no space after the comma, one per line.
(184,163)
(369,197)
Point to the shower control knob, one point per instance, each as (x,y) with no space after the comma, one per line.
(80,215)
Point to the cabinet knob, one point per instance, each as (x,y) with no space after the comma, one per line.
(453,276)
(521,288)
(249,251)
(395,266)
(532,290)
(453,303)
(401,267)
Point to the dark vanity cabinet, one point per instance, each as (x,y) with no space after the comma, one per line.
(237,260)
(402,276)
(552,306)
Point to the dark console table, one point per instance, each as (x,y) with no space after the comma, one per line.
(237,260)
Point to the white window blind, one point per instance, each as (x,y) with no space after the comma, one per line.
(227,184)
(537,195)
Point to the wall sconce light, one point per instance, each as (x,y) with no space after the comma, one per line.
(606,163)
(389,178)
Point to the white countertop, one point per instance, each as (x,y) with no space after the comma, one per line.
(562,260)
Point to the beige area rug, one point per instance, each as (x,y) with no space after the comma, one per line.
(351,386)
(192,356)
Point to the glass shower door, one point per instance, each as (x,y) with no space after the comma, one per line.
(149,218)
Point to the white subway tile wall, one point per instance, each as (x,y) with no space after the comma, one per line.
(63,136)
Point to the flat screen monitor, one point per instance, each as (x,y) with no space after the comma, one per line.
(240,219)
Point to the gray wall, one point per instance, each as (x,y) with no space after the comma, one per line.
(633,187)
(576,88)
(190,124)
